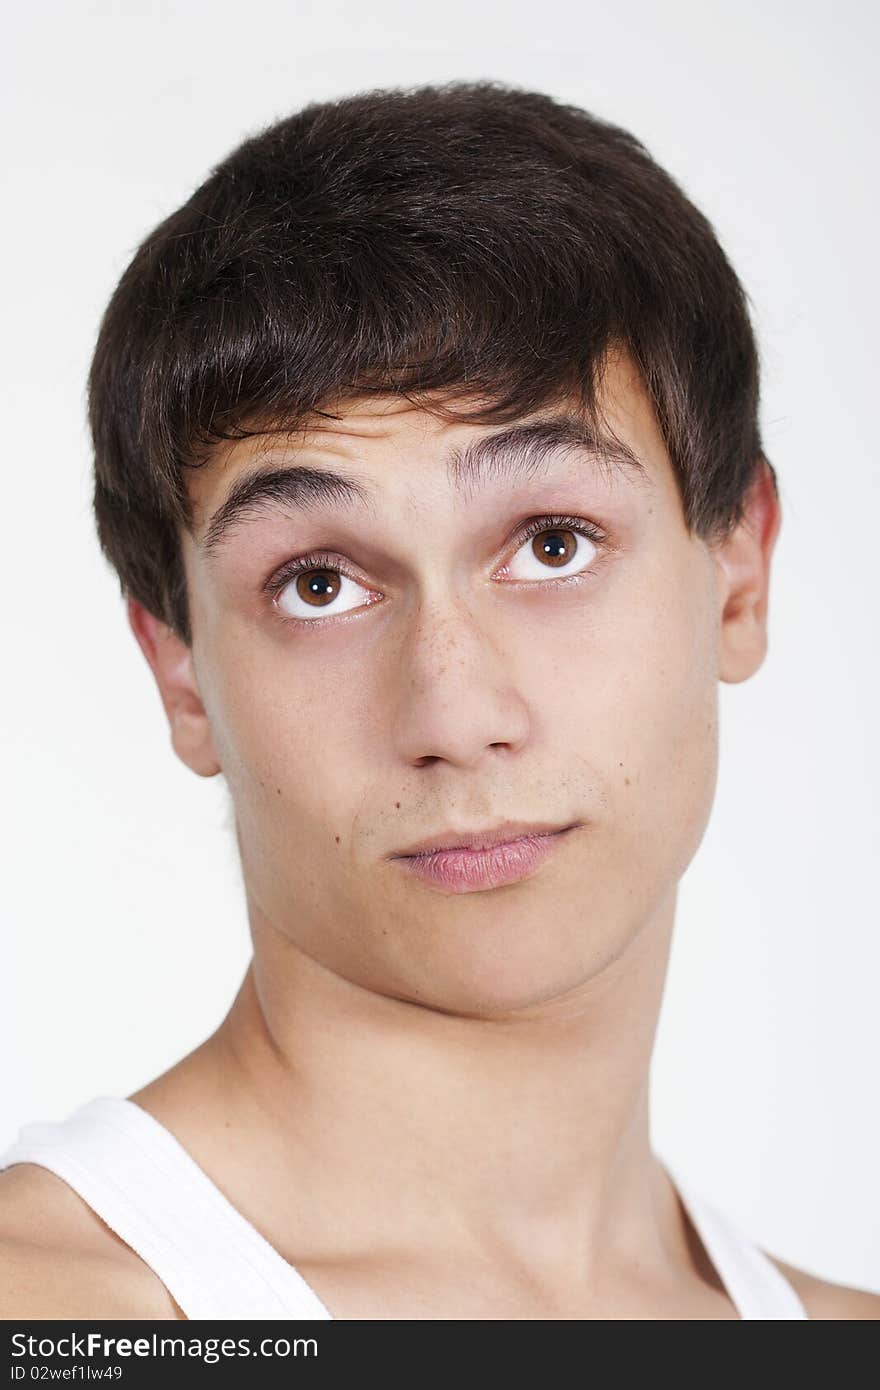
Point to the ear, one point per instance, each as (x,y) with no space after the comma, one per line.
(743,564)
(171,662)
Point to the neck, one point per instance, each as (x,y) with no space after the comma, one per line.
(526,1131)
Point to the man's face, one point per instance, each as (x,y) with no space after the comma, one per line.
(454,681)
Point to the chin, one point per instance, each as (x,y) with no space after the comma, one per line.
(496,988)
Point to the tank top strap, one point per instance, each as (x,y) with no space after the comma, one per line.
(757,1288)
(141,1181)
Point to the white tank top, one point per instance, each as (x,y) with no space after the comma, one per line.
(144,1184)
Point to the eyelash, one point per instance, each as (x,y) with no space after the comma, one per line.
(323,560)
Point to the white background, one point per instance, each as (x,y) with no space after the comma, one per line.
(124,932)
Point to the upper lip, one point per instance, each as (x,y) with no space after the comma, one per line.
(479,839)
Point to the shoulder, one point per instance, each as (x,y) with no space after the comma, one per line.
(824,1299)
(58,1259)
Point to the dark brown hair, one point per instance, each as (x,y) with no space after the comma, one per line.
(470,238)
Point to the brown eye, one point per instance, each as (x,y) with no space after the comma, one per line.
(312,589)
(318,587)
(555,547)
(551,549)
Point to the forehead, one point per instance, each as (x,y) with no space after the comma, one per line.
(371,447)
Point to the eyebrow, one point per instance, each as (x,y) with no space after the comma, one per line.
(509,454)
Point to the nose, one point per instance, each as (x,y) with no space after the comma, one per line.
(456,692)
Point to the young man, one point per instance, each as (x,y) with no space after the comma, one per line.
(427,454)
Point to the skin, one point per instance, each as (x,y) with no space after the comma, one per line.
(436,1105)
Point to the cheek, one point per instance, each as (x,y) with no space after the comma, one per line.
(667,722)
(632,701)
(287,749)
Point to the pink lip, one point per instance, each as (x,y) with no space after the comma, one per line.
(468,870)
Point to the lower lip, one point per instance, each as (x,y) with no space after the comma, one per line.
(468,870)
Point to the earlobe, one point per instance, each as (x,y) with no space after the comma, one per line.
(171,661)
(743,563)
